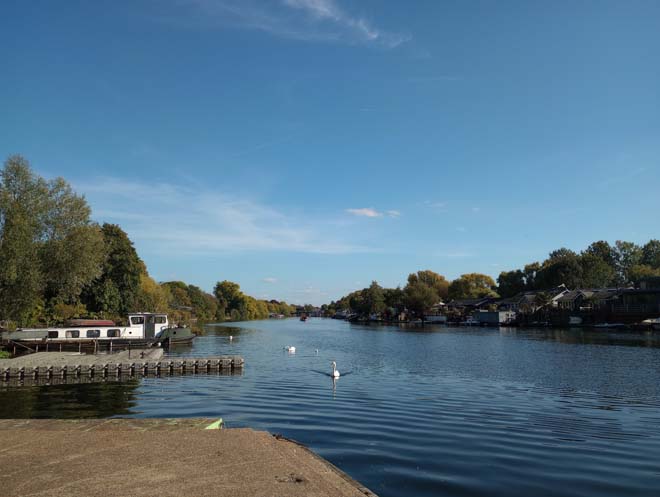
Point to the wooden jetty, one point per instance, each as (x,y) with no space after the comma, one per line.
(74,366)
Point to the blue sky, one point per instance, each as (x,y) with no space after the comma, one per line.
(303,148)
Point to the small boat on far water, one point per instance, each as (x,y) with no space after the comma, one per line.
(303,317)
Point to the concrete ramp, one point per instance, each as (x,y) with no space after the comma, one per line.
(159,457)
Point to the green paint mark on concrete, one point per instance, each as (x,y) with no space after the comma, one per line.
(216,425)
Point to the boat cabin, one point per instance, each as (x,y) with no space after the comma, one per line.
(140,326)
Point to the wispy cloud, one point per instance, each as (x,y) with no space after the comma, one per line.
(270,279)
(309,20)
(435,205)
(371,212)
(174,219)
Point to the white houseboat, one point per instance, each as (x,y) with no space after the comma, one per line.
(141,329)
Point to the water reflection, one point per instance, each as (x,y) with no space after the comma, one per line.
(80,400)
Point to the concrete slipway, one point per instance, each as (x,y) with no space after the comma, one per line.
(159,457)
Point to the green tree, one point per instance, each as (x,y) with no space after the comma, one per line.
(229,296)
(472,286)
(420,297)
(49,249)
(651,254)
(628,255)
(120,275)
(562,267)
(432,279)
(604,251)
(374,299)
(509,283)
(596,272)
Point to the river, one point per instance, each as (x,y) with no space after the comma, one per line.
(419,411)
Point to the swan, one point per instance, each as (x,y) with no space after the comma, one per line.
(231,338)
(335,373)
(290,349)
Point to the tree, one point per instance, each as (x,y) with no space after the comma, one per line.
(432,279)
(509,283)
(395,298)
(562,267)
(628,255)
(604,251)
(472,286)
(49,249)
(641,272)
(151,296)
(531,273)
(651,254)
(374,300)
(229,296)
(120,275)
(420,297)
(596,272)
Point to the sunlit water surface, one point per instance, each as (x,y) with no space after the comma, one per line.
(419,412)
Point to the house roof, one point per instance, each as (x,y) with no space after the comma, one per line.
(469,302)
(574,294)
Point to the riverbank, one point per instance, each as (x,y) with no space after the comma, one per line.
(160,457)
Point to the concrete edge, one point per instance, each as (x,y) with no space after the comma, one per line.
(328,464)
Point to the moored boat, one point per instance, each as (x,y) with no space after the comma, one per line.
(142,329)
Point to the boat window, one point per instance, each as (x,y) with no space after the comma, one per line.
(161,319)
(137,320)
(73,333)
(93,333)
(53,334)
(113,333)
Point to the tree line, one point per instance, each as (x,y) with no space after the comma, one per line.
(600,265)
(57,264)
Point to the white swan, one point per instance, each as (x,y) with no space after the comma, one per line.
(290,349)
(335,373)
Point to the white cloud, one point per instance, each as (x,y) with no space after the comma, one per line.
(175,219)
(270,279)
(308,20)
(371,212)
(365,212)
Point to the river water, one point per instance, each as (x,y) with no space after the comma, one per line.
(419,411)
